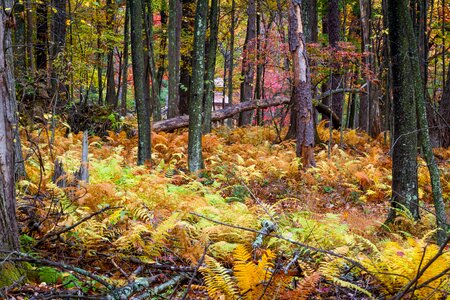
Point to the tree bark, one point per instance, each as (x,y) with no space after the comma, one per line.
(302,86)
(404,155)
(174,34)
(444,111)
(211,65)
(126,40)
(231,57)
(334,37)
(248,66)
(195,158)
(9,233)
(142,107)
(41,35)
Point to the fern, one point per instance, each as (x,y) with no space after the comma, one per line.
(218,281)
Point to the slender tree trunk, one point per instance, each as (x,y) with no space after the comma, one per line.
(334,37)
(41,35)
(150,63)
(111,98)
(162,50)
(59,16)
(31,63)
(142,107)
(211,65)
(175,15)
(9,233)
(404,155)
(187,26)
(444,111)
(126,40)
(195,158)
(302,86)
(248,67)
(231,57)
(20,39)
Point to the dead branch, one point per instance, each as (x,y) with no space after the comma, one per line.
(139,285)
(23,257)
(161,288)
(64,230)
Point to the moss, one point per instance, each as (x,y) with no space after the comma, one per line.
(10,273)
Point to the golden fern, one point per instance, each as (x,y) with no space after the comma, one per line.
(251,277)
(218,281)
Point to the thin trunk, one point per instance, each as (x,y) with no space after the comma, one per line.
(19,39)
(111,98)
(58,36)
(187,27)
(162,49)
(31,63)
(195,158)
(126,40)
(211,65)
(444,111)
(41,35)
(231,57)
(137,55)
(175,14)
(248,67)
(334,37)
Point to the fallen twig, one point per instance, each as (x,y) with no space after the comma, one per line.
(64,230)
(200,263)
(161,288)
(139,285)
(46,262)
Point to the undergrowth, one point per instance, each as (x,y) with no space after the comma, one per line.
(338,206)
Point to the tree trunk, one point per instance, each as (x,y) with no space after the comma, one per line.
(231,57)
(195,158)
(248,67)
(404,156)
(334,36)
(41,35)
(310,25)
(444,111)
(211,65)
(302,86)
(142,107)
(162,51)
(175,15)
(58,37)
(152,97)
(9,233)
(19,40)
(31,63)
(187,28)
(126,39)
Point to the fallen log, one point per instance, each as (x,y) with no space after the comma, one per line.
(221,114)
(228,112)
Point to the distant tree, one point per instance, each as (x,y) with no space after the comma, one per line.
(142,106)
(195,158)
(111,98)
(301,97)
(174,36)
(444,111)
(211,64)
(248,66)
(126,40)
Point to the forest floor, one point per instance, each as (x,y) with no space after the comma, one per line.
(321,232)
